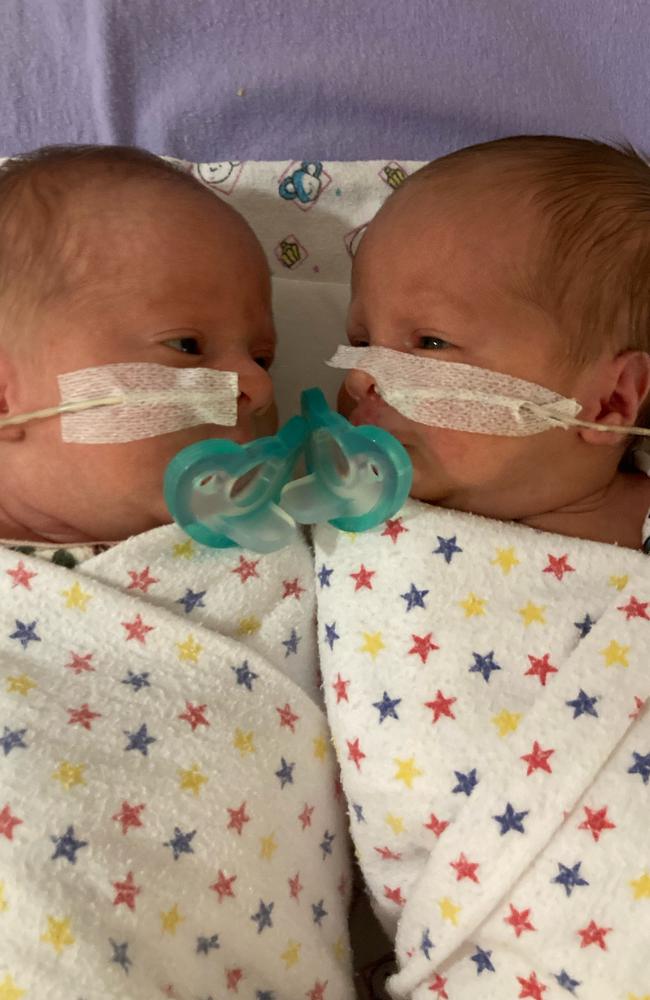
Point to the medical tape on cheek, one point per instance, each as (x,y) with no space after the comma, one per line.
(457,396)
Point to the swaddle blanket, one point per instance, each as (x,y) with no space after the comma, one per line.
(169,823)
(485,686)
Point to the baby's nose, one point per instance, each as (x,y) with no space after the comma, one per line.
(359,384)
(255,389)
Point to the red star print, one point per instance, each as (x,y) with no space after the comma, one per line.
(137,629)
(8,822)
(82,716)
(341,688)
(518,920)
(338,789)
(233,978)
(558,566)
(531,987)
(305,816)
(195,715)
(355,752)
(125,892)
(343,885)
(363,578)
(395,895)
(128,816)
(437,826)
(394,528)
(292,588)
(141,580)
(540,667)
(246,569)
(441,706)
(223,885)
(438,986)
(21,576)
(295,887)
(639,704)
(465,868)
(288,718)
(597,822)
(80,664)
(593,934)
(422,646)
(537,759)
(237,818)
(386,854)
(635,609)
(317,992)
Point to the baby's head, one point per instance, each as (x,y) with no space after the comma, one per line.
(529,256)
(110,255)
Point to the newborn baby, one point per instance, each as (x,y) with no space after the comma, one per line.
(485,654)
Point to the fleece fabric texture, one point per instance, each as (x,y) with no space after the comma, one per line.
(485,686)
(169,824)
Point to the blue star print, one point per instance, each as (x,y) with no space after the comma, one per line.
(67,846)
(358,812)
(190,600)
(11,739)
(569,877)
(566,982)
(583,704)
(139,740)
(387,707)
(511,820)
(204,945)
(326,843)
(263,916)
(641,766)
(414,598)
(331,635)
(25,633)
(324,575)
(137,681)
(484,665)
(285,773)
(447,547)
(319,911)
(466,782)
(291,644)
(120,956)
(482,959)
(426,944)
(584,627)
(264,995)
(245,675)
(181,843)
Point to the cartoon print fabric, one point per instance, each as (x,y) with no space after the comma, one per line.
(485,686)
(169,819)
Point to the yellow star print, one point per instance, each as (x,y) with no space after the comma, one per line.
(189,650)
(58,934)
(76,597)
(192,780)
(249,626)
(619,582)
(184,550)
(448,910)
(506,559)
(244,742)
(4,905)
(320,747)
(268,847)
(406,771)
(473,606)
(373,643)
(340,951)
(615,653)
(396,823)
(630,996)
(20,684)
(171,919)
(69,774)
(292,954)
(533,613)
(506,722)
(9,990)
(641,886)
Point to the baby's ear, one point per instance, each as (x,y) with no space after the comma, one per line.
(627,390)
(14,432)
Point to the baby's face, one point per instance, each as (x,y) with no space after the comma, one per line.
(173,279)
(441,276)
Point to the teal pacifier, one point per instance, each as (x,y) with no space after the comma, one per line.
(224,494)
(357,476)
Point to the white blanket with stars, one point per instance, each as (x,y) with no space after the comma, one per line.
(169,825)
(485,686)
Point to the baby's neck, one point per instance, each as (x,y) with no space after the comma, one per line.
(17,530)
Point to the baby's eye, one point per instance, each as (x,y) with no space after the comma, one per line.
(429,343)
(186,345)
(263,362)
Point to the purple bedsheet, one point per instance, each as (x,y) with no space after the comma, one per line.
(327,79)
